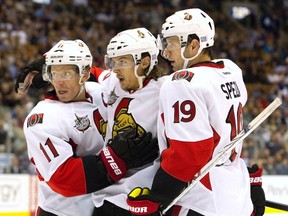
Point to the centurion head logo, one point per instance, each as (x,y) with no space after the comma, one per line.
(80,44)
(82,123)
(187,16)
(140,34)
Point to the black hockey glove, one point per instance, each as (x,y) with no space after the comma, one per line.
(127,150)
(30,75)
(257,192)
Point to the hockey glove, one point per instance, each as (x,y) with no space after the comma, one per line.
(257,192)
(141,203)
(127,150)
(30,75)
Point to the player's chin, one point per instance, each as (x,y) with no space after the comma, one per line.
(64,98)
(123,85)
(176,68)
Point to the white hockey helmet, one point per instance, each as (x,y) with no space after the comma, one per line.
(134,42)
(68,52)
(190,21)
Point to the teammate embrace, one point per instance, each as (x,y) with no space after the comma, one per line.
(194,112)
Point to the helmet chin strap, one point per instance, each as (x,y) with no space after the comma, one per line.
(186,60)
(140,79)
(81,83)
(79,93)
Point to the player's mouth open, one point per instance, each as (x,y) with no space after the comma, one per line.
(62,92)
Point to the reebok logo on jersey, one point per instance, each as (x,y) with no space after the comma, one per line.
(111,161)
(35,119)
(186,75)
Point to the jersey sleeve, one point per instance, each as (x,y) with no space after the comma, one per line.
(189,135)
(56,163)
(95,73)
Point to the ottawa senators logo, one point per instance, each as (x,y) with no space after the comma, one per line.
(35,119)
(80,44)
(82,123)
(124,120)
(100,123)
(187,16)
(186,75)
(140,34)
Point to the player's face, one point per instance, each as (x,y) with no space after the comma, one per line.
(124,69)
(65,80)
(173,53)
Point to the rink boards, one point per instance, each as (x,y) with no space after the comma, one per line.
(18,194)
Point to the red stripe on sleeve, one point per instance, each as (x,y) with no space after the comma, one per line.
(69,178)
(183,160)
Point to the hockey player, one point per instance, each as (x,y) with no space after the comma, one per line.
(65,136)
(133,95)
(106,78)
(200,113)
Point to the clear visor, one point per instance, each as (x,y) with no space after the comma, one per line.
(119,62)
(161,42)
(168,44)
(49,74)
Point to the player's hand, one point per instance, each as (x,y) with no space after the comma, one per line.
(30,75)
(257,192)
(141,203)
(127,150)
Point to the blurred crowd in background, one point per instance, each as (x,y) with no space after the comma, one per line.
(251,33)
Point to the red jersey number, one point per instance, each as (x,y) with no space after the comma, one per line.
(236,123)
(184,111)
(51,149)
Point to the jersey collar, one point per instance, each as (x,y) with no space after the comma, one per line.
(218,64)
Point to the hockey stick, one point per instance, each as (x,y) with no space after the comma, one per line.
(276,205)
(223,154)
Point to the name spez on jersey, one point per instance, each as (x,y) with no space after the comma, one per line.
(231,90)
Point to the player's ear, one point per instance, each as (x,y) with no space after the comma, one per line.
(145,62)
(194,44)
(86,75)
(191,48)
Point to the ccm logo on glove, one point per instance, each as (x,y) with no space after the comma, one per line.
(111,161)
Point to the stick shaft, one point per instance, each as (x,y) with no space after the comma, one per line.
(238,139)
(276,205)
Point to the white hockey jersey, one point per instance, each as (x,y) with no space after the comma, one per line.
(201,112)
(129,109)
(57,132)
